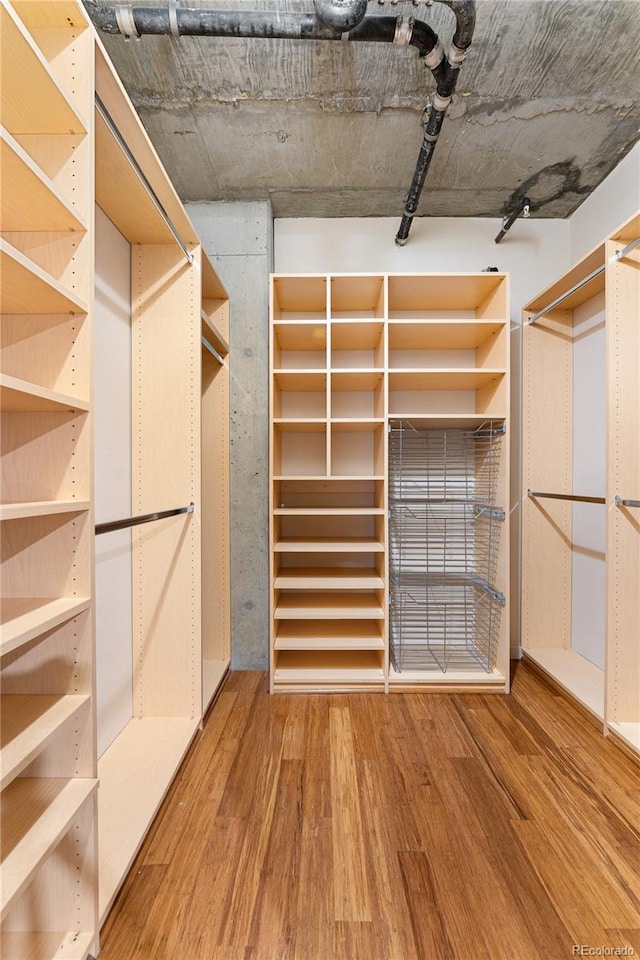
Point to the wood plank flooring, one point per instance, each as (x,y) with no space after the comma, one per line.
(405,827)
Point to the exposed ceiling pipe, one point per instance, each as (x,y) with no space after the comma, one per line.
(445,71)
(328,23)
(523,207)
(342,15)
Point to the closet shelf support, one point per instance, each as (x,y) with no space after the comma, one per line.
(626,250)
(619,502)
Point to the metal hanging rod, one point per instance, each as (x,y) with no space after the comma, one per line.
(108,119)
(619,502)
(625,250)
(536,494)
(563,296)
(212,351)
(143,518)
(581,283)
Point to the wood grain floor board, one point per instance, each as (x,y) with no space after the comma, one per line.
(408,827)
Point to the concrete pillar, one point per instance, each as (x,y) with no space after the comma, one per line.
(238,238)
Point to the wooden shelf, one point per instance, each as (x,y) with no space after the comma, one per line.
(578,676)
(28,725)
(28,289)
(33,203)
(41,508)
(452,379)
(135,774)
(300,381)
(20,396)
(122,195)
(357,295)
(441,334)
(213,335)
(446,421)
(331,606)
(32,100)
(25,618)
(328,578)
(356,379)
(300,425)
(328,635)
(43,945)
(329,545)
(442,292)
(329,511)
(36,813)
(455,680)
(318,667)
(298,297)
(582,269)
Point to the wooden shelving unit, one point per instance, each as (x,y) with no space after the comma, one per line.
(349,354)
(48,764)
(580,613)
(180,565)
(70,140)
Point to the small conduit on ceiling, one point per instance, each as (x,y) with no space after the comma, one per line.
(332,20)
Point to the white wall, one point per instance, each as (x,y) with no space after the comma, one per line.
(112,423)
(616,200)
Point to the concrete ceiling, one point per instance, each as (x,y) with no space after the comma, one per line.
(548,102)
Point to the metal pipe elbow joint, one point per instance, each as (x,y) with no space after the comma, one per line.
(340,15)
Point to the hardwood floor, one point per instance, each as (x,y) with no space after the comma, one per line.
(405,827)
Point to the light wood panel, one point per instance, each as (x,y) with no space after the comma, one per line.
(310,606)
(433,292)
(547,466)
(117,103)
(216,515)
(442,379)
(21,396)
(135,773)
(36,814)
(166,555)
(27,288)
(589,263)
(438,335)
(325,578)
(573,673)
(29,200)
(41,105)
(38,508)
(623,480)
(29,723)
(24,618)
